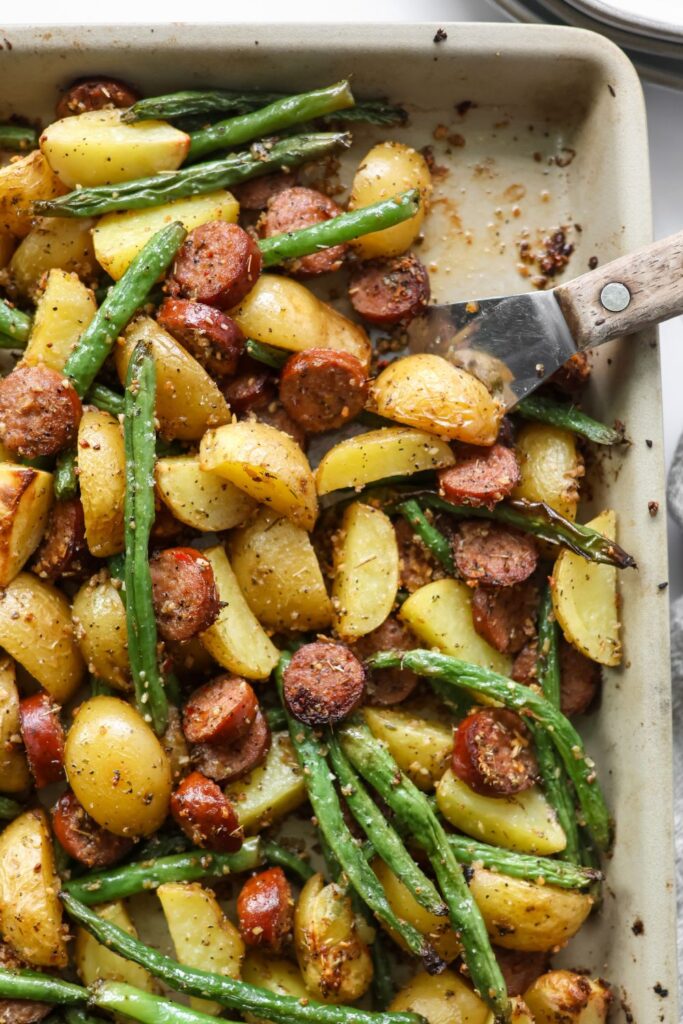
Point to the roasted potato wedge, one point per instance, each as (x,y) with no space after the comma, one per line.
(273,973)
(99,617)
(393,451)
(366,571)
(14,773)
(202,935)
(266,464)
(272,790)
(63,242)
(387,170)
(526,916)
(22,183)
(420,746)
(119,237)
(199,498)
(64,310)
(586,599)
(95,961)
(37,631)
(98,148)
(438,930)
(563,997)
(237,640)
(444,999)
(550,467)
(430,393)
(25,501)
(525,822)
(102,479)
(335,961)
(278,572)
(188,400)
(30,910)
(440,614)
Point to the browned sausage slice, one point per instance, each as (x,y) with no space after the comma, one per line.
(218,264)
(184,593)
(322,389)
(579,680)
(481,476)
(63,552)
(391,291)
(82,838)
(39,411)
(323,683)
(95,94)
(221,711)
(254,387)
(265,909)
(491,753)
(19,1011)
(296,208)
(43,736)
(524,667)
(213,338)
(388,685)
(206,815)
(520,970)
(225,762)
(505,616)
(255,194)
(492,554)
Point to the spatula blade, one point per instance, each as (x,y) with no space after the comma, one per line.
(511,343)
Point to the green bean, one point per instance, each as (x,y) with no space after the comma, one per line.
(273,853)
(383,837)
(18,137)
(267,354)
(233,994)
(220,101)
(196,180)
(269,120)
(65,479)
(327,809)
(432,538)
(163,844)
(276,719)
(117,997)
(462,675)
(121,304)
(563,874)
(42,987)
(15,325)
(74,1015)
(374,762)
(9,809)
(139,437)
(107,400)
(344,228)
(100,688)
(143,875)
(382,987)
(559,414)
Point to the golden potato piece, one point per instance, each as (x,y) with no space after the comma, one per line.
(392,451)
(271,790)
(99,617)
(273,973)
(63,242)
(420,746)
(199,498)
(22,183)
(428,392)
(444,999)
(25,501)
(563,997)
(585,599)
(14,773)
(438,930)
(95,962)
(102,479)
(266,464)
(366,571)
(63,312)
(550,467)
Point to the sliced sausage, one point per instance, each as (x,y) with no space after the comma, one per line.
(492,754)
(524,667)
(19,1011)
(81,836)
(218,264)
(579,680)
(255,194)
(417,565)
(296,208)
(265,909)
(505,616)
(520,970)
(43,736)
(391,291)
(322,389)
(39,411)
(184,593)
(481,476)
(275,416)
(224,762)
(95,94)
(206,815)
(572,375)
(63,552)
(213,338)
(492,554)
(254,387)
(387,686)
(221,711)
(323,683)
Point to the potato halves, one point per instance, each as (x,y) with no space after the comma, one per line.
(25,502)
(568,997)
(99,617)
(22,183)
(271,790)
(366,571)
(63,312)
(94,961)
(550,467)
(392,451)
(63,242)
(428,392)
(102,479)
(199,498)
(266,464)
(14,773)
(445,999)
(438,930)
(420,746)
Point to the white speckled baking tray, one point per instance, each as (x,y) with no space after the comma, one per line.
(539,92)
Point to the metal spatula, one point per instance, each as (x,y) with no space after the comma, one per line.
(513,343)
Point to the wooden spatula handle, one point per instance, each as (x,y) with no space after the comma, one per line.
(634,291)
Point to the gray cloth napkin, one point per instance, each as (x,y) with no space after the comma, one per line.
(675,504)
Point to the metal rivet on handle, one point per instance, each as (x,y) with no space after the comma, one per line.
(615,297)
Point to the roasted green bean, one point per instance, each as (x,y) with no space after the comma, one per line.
(559,414)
